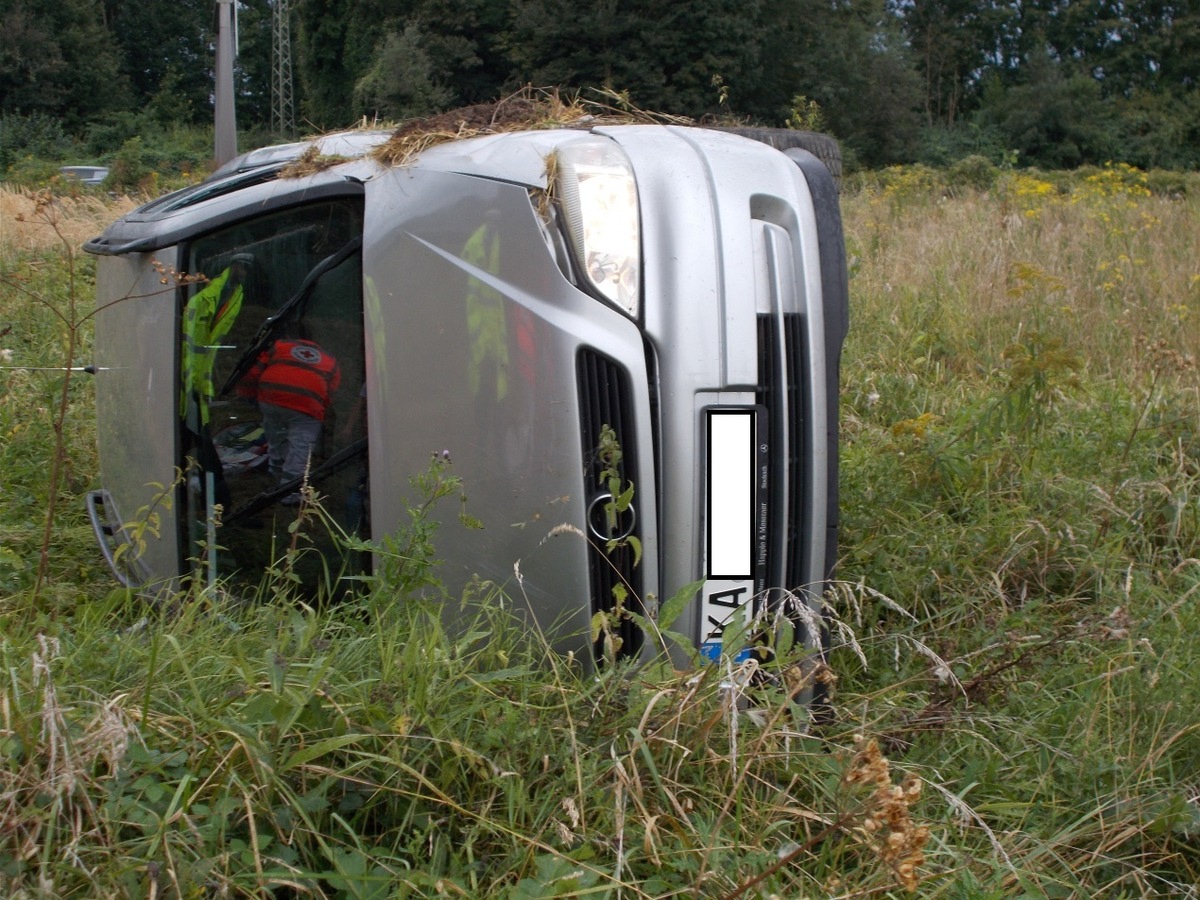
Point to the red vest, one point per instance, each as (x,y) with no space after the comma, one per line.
(296,375)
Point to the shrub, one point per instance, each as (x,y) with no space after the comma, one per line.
(129,170)
(34,136)
(975,172)
(31,172)
(1173,184)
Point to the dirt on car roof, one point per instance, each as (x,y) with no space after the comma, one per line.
(527,110)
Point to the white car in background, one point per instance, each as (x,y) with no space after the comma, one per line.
(93,175)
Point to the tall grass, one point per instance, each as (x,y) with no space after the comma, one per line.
(1012,636)
(82,213)
(1021,469)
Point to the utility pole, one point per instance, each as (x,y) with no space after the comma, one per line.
(225,131)
(283,108)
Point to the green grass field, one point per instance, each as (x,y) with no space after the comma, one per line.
(1014,704)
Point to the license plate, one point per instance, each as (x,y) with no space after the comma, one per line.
(736,519)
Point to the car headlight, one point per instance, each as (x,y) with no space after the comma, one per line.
(599,202)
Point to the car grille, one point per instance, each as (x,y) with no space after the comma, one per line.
(780,390)
(604,399)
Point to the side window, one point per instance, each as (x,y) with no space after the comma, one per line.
(272,390)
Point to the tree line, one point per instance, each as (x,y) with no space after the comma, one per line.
(1053,83)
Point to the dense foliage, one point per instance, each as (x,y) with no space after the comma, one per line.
(1045,82)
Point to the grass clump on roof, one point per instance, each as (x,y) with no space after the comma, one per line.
(310,162)
(529,109)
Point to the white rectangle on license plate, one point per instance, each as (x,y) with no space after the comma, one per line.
(730,513)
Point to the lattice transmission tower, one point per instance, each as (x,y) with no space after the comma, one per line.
(283,106)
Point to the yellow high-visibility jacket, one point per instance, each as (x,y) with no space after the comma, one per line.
(206,320)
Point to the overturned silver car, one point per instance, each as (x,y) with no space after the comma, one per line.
(520,302)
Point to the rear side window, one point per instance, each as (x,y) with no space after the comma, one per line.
(272,390)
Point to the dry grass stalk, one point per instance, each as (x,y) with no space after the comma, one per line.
(80,218)
(48,797)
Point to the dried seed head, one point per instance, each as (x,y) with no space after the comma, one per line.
(887,820)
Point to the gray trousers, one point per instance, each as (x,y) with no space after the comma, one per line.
(291,438)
